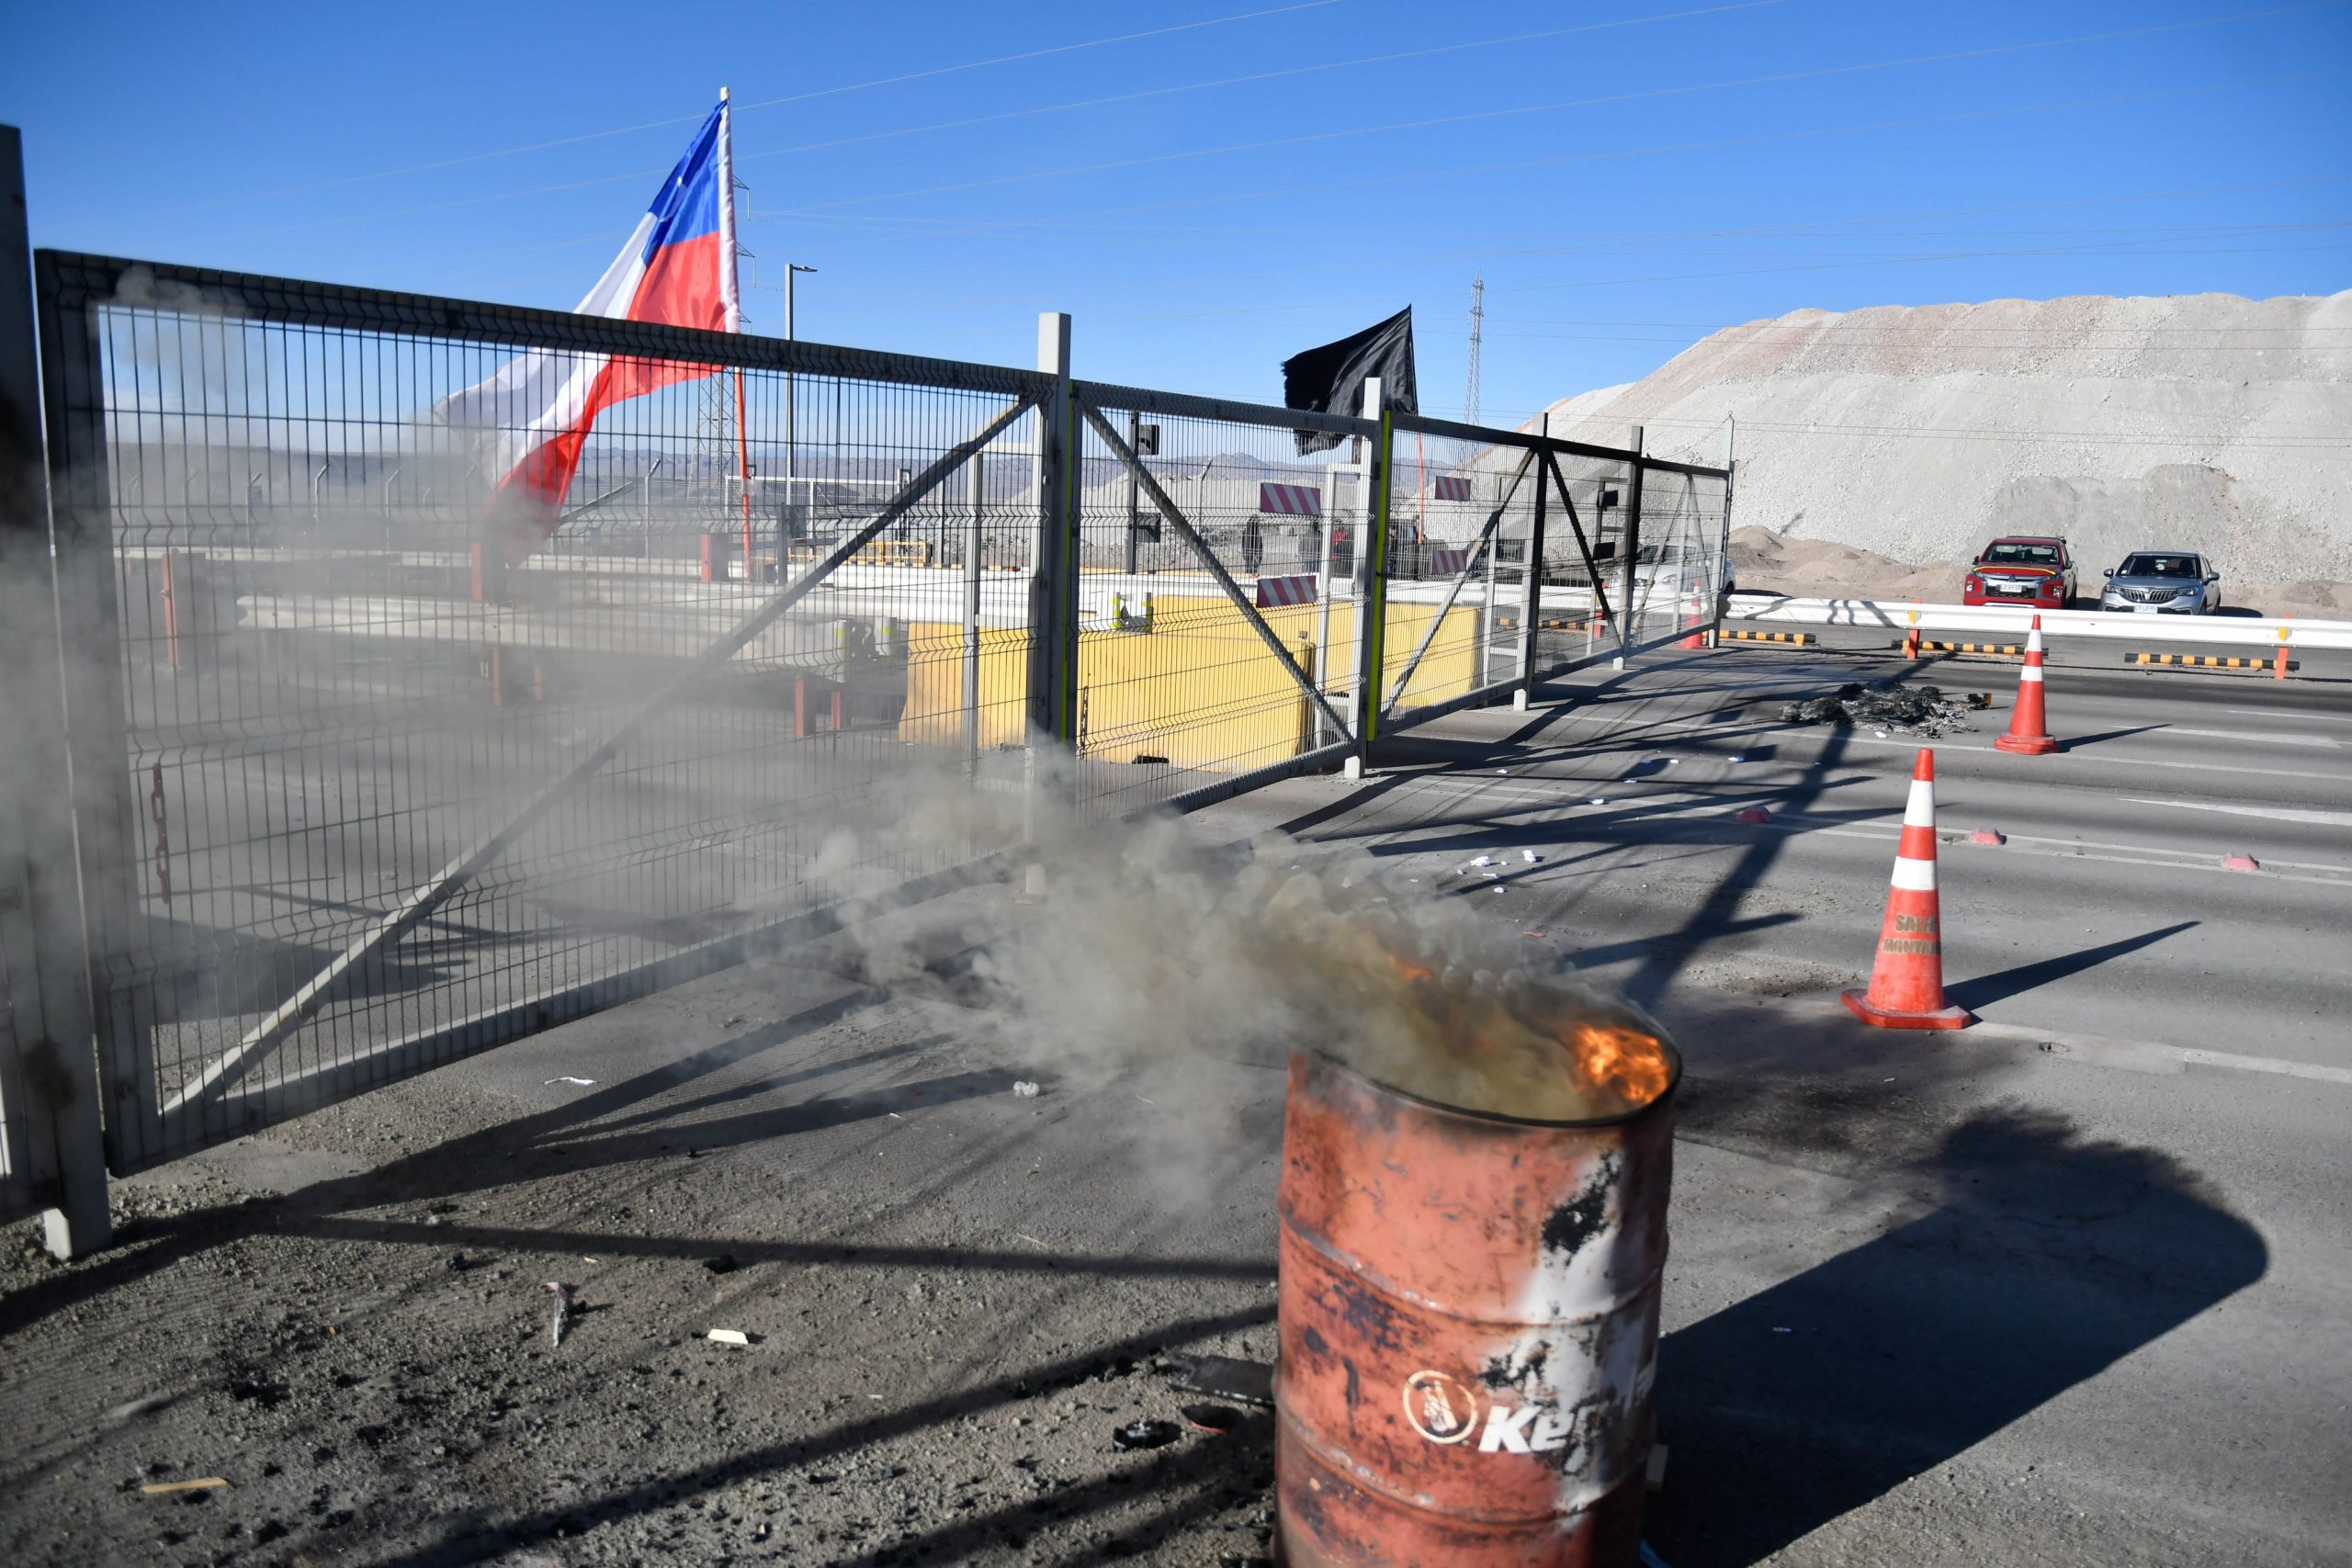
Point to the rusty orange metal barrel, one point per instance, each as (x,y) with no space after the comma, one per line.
(1469,1310)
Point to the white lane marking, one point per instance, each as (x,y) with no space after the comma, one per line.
(2266,1065)
(1948,744)
(2266,737)
(1665,807)
(2275,813)
(2292,712)
(2097,1045)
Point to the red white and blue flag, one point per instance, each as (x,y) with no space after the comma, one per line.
(678,269)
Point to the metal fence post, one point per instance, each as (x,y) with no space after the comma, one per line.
(1723,537)
(1052,575)
(1372,584)
(1627,632)
(1530,596)
(54,1083)
(975,546)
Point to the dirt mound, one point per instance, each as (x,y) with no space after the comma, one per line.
(1911,436)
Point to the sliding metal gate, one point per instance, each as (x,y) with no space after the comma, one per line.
(369,774)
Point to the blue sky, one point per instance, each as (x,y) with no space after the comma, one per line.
(1629,174)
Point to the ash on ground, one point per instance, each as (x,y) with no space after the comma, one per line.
(1913,710)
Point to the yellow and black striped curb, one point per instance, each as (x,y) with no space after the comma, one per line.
(1799,637)
(2206,661)
(2004,649)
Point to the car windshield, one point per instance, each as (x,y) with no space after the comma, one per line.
(2010,553)
(2159,566)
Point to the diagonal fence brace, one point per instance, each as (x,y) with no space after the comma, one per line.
(1177,520)
(419,906)
(1429,632)
(1584,548)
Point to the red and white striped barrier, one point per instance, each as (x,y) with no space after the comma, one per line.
(1447,563)
(1290,501)
(1275,591)
(1450,487)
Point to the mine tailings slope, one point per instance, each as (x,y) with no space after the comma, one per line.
(2201,421)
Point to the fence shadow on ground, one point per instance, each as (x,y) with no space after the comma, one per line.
(2052,1257)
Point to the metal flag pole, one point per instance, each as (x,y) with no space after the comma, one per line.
(731,297)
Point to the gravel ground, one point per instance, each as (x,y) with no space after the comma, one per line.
(961,1316)
(1975,1301)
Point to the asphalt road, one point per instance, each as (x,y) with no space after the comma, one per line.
(2068,1287)
(2107,911)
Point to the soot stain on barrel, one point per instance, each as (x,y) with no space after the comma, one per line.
(1580,1218)
(1516,1371)
(1372,1321)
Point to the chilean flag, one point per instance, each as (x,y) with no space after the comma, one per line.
(678,268)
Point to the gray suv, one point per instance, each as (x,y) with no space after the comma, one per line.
(2163,583)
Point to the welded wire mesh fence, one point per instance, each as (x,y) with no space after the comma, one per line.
(1211,642)
(16,1168)
(409,764)
(391,747)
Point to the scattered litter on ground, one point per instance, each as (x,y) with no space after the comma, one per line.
(723,1264)
(1987,836)
(1599,800)
(1756,816)
(1143,1433)
(562,1315)
(727,1336)
(1915,710)
(1740,759)
(1497,889)
(1219,1418)
(1026,1090)
(1032,1240)
(583,1083)
(1530,857)
(1226,1377)
(147,1404)
(159,1488)
(1484,861)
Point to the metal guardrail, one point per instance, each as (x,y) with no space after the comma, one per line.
(1901,615)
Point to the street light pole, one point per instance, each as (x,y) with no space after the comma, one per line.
(790,268)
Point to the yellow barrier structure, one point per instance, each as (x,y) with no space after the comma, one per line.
(1199,689)
(881,552)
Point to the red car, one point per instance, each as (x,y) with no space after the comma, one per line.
(2035,572)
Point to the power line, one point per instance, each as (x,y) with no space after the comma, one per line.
(1685,89)
(760,104)
(1713,145)
(1250,79)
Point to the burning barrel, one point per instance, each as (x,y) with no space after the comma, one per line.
(1469,1302)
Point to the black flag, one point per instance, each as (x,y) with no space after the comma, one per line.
(1330,379)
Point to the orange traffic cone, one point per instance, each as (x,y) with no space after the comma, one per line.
(2029,733)
(1691,619)
(1907,977)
